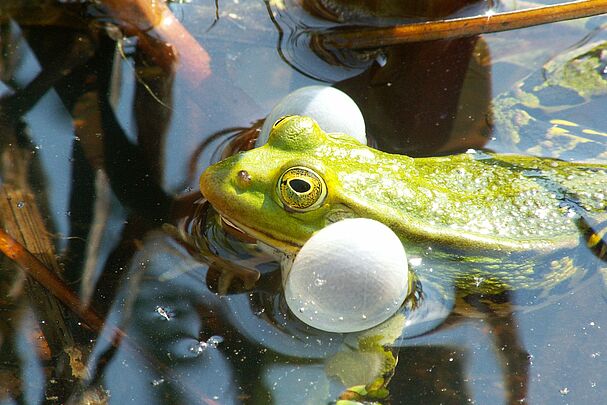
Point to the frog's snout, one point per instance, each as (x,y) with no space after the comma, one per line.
(205,182)
(212,182)
(221,179)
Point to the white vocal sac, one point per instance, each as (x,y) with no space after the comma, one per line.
(350,276)
(332,109)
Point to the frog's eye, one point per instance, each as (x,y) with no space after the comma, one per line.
(301,189)
(281,120)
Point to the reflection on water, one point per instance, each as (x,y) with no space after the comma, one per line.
(98,140)
(440,108)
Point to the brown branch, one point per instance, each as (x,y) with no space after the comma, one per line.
(368,37)
(37,270)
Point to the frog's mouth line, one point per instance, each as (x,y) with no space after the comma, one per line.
(235,231)
(250,235)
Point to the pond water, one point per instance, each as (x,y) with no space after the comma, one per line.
(102,145)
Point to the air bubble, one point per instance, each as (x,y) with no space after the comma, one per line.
(319,282)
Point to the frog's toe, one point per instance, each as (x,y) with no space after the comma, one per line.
(595,233)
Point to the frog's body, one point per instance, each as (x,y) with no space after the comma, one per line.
(487,216)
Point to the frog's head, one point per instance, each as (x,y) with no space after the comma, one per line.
(282,192)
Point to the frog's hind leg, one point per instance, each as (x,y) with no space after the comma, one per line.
(515,360)
(595,235)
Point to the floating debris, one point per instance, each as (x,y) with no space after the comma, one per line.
(201,346)
(167,315)
(157,382)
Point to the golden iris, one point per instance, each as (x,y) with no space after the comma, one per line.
(301,189)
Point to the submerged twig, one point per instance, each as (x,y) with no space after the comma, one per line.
(34,267)
(372,37)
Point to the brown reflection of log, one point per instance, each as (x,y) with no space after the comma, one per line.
(65,55)
(427,97)
(20,215)
(130,168)
(168,44)
(68,52)
(509,349)
(153,110)
(162,36)
(22,212)
(430,97)
(372,37)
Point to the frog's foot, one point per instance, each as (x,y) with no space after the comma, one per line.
(596,240)
(428,308)
(595,234)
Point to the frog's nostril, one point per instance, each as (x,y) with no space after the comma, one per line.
(243,178)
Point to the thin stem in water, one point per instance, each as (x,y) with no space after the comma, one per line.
(373,37)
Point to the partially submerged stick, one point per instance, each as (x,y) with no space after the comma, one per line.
(34,268)
(373,37)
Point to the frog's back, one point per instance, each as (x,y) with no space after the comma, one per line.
(475,200)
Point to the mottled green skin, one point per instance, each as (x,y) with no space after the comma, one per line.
(487,217)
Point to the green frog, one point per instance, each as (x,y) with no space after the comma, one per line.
(481,222)
(491,222)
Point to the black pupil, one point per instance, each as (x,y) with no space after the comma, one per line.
(300,186)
